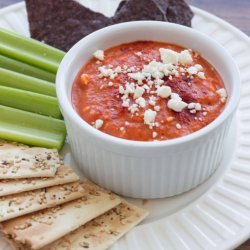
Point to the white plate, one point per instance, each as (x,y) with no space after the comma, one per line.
(215,215)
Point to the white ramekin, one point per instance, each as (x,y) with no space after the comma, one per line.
(147,169)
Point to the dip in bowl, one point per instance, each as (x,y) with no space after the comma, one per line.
(148,117)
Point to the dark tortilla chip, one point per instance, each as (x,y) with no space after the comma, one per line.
(179,12)
(163,5)
(136,10)
(120,6)
(62,23)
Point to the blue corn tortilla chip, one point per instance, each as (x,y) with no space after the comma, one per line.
(137,10)
(62,23)
(179,12)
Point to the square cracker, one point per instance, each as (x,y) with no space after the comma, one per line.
(102,232)
(63,175)
(20,161)
(13,206)
(42,228)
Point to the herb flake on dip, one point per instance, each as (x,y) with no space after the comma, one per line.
(148,91)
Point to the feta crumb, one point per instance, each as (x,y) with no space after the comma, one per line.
(175,96)
(164,91)
(139,77)
(192,70)
(141,102)
(118,69)
(125,103)
(138,53)
(222,93)
(110,84)
(185,58)
(157,108)
(121,90)
(133,108)
(139,91)
(204,113)
(201,75)
(122,128)
(178,126)
(195,106)
(198,67)
(169,56)
(99,54)
(154,134)
(98,123)
(152,100)
(149,117)
(176,105)
(126,123)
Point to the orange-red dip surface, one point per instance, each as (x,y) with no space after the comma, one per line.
(94,98)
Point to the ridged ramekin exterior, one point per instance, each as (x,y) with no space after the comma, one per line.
(147,169)
(156,175)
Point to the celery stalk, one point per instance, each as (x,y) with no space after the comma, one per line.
(29,101)
(31,129)
(30,51)
(12,79)
(26,69)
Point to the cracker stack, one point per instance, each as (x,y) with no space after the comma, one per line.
(43,205)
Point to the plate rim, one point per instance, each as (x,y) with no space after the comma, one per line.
(244,233)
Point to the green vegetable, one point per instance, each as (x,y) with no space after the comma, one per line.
(29,101)
(30,51)
(31,129)
(19,81)
(26,69)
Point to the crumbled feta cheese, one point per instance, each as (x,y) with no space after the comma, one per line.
(153,69)
(193,105)
(178,126)
(185,58)
(139,91)
(141,102)
(118,69)
(138,53)
(130,88)
(139,77)
(98,123)
(201,75)
(204,113)
(198,67)
(149,117)
(133,108)
(192,70)
(176,105)
(121,90)
(125,103)
(169,56)
(163,91)
(122,128)
(105,71)
(175,96)
(126,123)
(157,108)
(99,54)
(154,134)
(110,84)
(222,93)
(152,100)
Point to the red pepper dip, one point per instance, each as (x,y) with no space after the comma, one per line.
(147,91)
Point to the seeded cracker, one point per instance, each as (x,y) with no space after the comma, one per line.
(39,229)
(102,232)
(62,23)
(13,206)
(19,161)
(63,175)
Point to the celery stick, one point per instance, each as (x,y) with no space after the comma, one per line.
(26,69)
(31,129)
(12,79)
(30,51)
(29,101)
